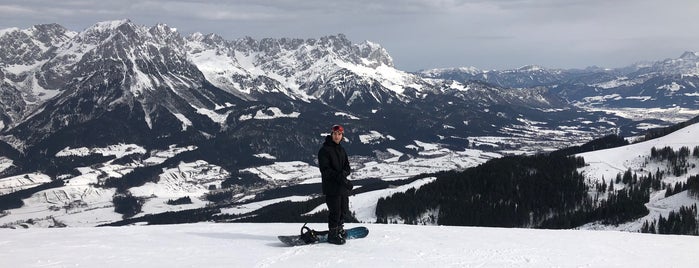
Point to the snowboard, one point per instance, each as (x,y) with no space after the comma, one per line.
(297,240)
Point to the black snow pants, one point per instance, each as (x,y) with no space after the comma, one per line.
(338,206)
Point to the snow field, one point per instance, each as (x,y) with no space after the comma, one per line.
(256,245)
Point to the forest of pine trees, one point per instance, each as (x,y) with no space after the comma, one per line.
(546,191)
(179,201)
(686,221)
(677,161)
(682,222)
(512,191)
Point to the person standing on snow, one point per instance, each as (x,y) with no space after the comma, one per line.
(334,169)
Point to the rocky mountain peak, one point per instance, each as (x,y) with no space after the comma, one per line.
(165,34)
(126,31)
(690,55)
(51,34)
(25,47)
(210,40)
(336,42)
(102,30)
(686,64)
(375,54)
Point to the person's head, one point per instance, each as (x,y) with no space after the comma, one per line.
(337,132)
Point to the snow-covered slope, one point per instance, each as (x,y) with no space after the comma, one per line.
(606,164)
(256,245)
(609,162)
(80,202)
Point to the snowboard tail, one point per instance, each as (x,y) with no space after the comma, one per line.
(313,237)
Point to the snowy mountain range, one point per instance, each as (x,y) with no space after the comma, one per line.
(670,83)
(123,112)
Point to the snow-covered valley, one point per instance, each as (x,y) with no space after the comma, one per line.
(81,202)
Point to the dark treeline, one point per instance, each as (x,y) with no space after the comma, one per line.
(667,153)
(14,200)
(649,181)
(659,132)
(172,217)
(179,201)
(127,204)
(693,186)
(682,222)
(543,191)
(507,192)
(606,142)
(142,175)
(678,162)
(286,211)
(67,164)
(620,206)
(135,178)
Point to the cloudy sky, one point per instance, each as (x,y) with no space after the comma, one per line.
(419,34)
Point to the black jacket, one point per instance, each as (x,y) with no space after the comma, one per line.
(334,168)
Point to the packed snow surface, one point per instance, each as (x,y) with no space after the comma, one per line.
(256,245)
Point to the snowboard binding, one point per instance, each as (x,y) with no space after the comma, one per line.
(308,235)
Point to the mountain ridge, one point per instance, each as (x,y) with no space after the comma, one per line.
(193,80)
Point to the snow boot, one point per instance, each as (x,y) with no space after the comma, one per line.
(334,236)
(341,231)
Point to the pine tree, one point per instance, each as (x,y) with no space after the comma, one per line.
(611,186)
(604,185)
(627,178)
(693,185)
(668,190)
(684,152)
